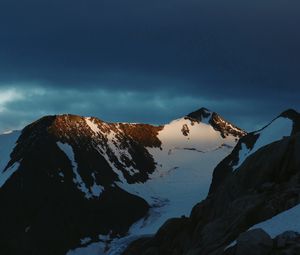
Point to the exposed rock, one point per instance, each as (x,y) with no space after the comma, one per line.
(293,115)
(253,242)
(258,242)
(200,114)
(185,130)
(226,166)
(224,127)
(44,203)
(286,239)
(217,122)
(267,183)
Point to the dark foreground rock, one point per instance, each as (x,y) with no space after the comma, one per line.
(258,242)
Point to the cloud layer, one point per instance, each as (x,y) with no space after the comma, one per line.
(148,61)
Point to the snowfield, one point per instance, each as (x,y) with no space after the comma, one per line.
(182,178)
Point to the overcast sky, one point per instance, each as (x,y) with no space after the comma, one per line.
(148,61)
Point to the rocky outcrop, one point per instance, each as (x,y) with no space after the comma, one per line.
(252,242)
(265,184)
(226,166)
(258,242)
(217,122)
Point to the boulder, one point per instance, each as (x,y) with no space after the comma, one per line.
(254,242)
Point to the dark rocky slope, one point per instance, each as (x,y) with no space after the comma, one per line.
(266,183)
(44,210)
(226,167)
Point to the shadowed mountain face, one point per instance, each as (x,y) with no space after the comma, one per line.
(63,190)
(65,179)
(258,180)
(286,124)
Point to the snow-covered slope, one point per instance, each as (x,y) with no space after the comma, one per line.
(189,151)
(184,170)
(263,192)
(118,181)
(286,124)
(275,131)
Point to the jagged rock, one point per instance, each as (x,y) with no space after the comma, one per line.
(253,242)
(217,122)
(287,238)
(258,242)
(185,130)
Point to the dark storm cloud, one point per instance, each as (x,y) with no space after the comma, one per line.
(148,60)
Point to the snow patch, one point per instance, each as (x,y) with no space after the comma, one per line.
(114,246)
(206,120)
(93,126)
(7,144)
(7,132)
(6,174)
(92,249)
(85,240)
(230,245)
(95,190)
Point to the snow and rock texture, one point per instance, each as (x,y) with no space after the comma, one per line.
(188,152)
(217,122)
(286,124)
(78,184)
(263,186)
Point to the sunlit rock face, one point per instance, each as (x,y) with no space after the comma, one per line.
(67,181)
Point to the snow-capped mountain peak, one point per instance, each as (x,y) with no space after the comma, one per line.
(128,173)
(216,121)
(202,114)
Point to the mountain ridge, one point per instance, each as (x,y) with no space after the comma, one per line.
(263,185)
(108,176)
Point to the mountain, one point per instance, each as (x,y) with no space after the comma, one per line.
(78,185)
(253,204)
(286,124)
